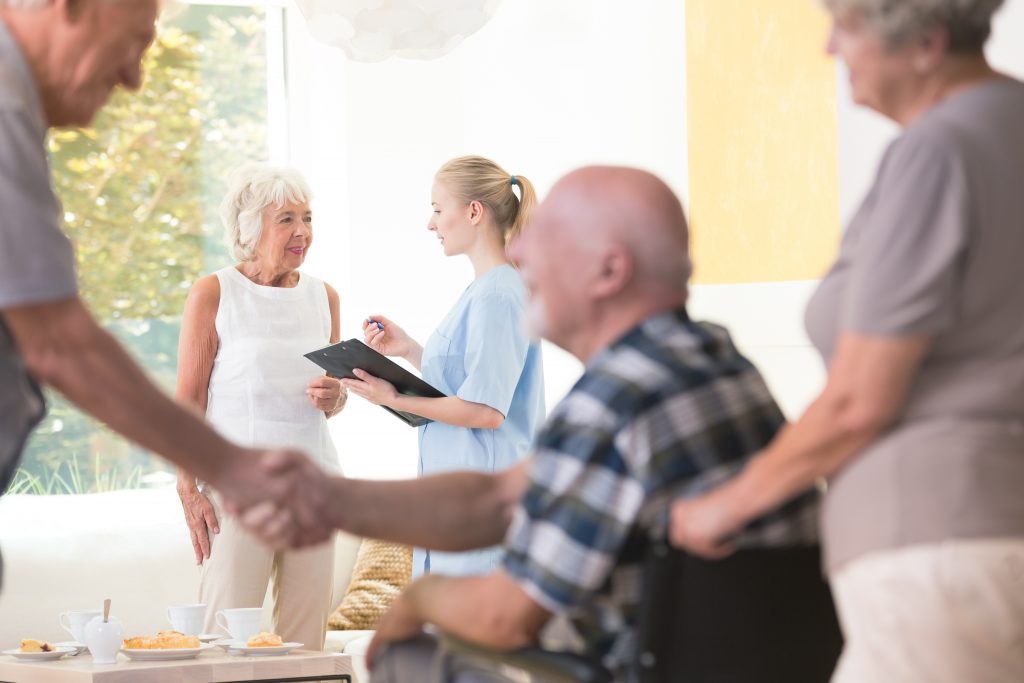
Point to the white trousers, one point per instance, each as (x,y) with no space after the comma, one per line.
(950,612)
(240,567)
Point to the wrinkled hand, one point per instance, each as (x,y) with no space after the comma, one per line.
(387,337)
(701,525)
(373,389)
(280,496)
(327,394)
(201,519)
(398,624)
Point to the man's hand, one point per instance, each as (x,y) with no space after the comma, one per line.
(398,623)
(281,496)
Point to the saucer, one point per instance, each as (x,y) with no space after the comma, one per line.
(263,651)
(79,647)
(209,637)
(226,643)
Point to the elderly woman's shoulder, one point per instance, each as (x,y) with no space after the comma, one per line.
(206,285)
(979,112)
(936,141)
(204,293)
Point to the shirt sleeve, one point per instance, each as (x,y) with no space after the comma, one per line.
(574,520)
(496,348)
(909,256)
(37,261)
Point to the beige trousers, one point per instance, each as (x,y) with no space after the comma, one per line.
(950,612)
(240,567)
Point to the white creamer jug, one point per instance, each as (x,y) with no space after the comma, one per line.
(104,639)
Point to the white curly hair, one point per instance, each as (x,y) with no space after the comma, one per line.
(252,188)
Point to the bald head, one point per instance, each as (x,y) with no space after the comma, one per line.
(614,205)
(607,249)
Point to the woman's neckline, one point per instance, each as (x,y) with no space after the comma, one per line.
(298,279)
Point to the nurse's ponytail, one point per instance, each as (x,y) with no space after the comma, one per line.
(474,178)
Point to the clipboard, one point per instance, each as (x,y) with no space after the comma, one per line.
(340,359)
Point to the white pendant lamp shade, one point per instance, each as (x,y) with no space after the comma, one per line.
(372,30)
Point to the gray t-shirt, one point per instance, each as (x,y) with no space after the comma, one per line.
(36,259)
(936,249)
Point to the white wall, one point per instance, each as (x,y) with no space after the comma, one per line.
(546,86)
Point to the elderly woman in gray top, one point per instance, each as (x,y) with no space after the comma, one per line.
(920,427)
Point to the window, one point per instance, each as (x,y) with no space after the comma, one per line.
(141,191)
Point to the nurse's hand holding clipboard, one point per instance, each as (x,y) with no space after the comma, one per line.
(374,389)
(387,338)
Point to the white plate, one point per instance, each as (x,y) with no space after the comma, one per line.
(39,656)
(242,649)
(209,637)
(79,647)
(147,654)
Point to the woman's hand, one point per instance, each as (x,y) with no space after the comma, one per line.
(386,337)
(373,389)
(200,518)
(327,394)
(702,525)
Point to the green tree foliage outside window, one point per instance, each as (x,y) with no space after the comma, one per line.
(140,191)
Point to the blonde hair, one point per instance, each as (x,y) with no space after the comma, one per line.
(475,178)
(252,188)
(968,22)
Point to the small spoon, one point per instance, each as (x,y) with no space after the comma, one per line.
(106,610)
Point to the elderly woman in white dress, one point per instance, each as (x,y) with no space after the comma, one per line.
(240,360)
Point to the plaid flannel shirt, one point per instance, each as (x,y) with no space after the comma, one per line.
(671,409)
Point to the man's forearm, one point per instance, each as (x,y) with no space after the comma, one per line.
(452,512)
(64,347)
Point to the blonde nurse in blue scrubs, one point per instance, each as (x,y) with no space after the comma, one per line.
(480,355)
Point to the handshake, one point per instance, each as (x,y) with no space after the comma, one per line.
(280,496)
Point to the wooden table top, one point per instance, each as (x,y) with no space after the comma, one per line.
(208,667)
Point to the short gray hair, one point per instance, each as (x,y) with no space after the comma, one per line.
(969,22)
(251,189)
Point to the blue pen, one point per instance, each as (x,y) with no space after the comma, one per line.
(374,322)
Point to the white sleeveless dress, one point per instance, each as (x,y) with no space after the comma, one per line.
(257,397)
(258,385)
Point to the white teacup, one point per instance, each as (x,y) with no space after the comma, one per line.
(187,619)
(74,622)
(241,623)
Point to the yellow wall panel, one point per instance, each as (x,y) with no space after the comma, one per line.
(761,99)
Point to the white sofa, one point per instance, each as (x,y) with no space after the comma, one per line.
(70,552)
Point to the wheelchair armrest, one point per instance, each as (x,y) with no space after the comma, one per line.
(556,667)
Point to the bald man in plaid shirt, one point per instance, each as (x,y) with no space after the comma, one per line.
(666,407)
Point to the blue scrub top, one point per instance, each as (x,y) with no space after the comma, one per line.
(481,353)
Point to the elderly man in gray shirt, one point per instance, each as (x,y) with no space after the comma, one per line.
(59,62)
